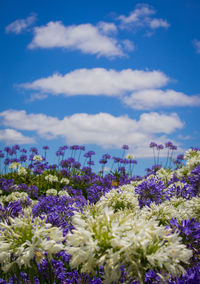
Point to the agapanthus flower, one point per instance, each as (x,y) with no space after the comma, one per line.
(152,145)
(111,239)
(25,238)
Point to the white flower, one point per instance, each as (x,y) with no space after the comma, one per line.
(130,157)
(64,180)
(110,239)
(37,158)
(14,196)
(22,171)
(14,165)
(25,238)
(52,192)
(165,175)
(63,192)
(51,178)
(121,198)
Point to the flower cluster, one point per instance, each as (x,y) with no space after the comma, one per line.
(26,238)
(66,223)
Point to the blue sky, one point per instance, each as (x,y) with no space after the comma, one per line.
(100,74)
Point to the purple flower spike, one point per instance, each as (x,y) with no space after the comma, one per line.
(152,145)
(125,147)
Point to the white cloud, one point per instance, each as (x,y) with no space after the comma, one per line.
(138,15)
(20,25)
(158,23)
(151,99)
(98,81)
(107,28)
(128,45)
(11,136)
(85,37)
(196,44)
(160,123)
(37,96)
(141,16)
(102,129)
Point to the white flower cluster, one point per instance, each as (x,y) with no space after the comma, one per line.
(52,192)
(63,193)
(37,158)
(64,180)
(14,165)
(14,196)
(110,239)
(165,175)
(192,158)
(166,210)
(51,178)
(25,238)
(22,171)
(122,198)
(130,157)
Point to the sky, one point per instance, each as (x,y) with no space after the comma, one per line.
(101,74)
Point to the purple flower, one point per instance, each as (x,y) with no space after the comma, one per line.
(106,156)
(16,147)
(59,153)
(116,159)
(33,191)
(74,147)
(23,150)
(168,144)
(7,149)
(91,163)
(63,148)
(152,145)
(23,158)
(180,157)
(34,150)
(160,147)
(150,191)
(7,161)
(1,155)
(173,147)
(125,147)
(45,148)
(103,161)
(76,165)
(89,154)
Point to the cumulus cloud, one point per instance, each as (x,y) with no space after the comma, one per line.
(85,37)
(11,136)
(159,123)
(98,81)
(102,129)
(21,25)
(151,99)
(158,23)
(196,44)
(141,16)
(107,28)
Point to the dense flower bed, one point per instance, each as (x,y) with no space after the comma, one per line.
(64,223)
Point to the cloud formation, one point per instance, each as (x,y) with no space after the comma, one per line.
(196,44)
(11,136)
(21,25)
(137,89)
(141,16)
(102,129)
(85,37)
(98,81)
(152,99)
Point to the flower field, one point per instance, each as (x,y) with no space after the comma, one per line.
(66,223)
